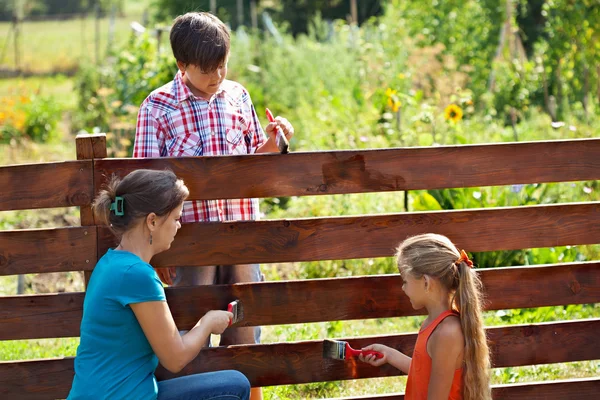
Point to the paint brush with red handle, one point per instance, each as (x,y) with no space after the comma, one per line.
(235,307)
(280,139)
(340,350)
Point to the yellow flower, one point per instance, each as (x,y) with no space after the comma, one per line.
(389,92)
(453,113)
(394,104)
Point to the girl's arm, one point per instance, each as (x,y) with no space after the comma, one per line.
(391,356)
(173,350)
(445,347)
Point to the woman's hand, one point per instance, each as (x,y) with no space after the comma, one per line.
(216,321)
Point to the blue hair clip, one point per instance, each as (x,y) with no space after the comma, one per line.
(117,206)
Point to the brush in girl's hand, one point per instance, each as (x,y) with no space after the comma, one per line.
(235,307)
(281,140)
(340,350)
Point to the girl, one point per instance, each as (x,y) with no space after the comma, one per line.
(451,356)
(127,327)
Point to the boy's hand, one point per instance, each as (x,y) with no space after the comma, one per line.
(370,359)
(216,321)
(166,275)
(284,124)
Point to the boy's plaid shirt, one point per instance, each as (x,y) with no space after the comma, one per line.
(172,122)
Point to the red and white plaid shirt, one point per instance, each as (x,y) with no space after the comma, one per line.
(172,122)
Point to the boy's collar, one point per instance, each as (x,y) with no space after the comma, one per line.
(182,92)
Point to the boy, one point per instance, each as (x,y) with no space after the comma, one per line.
(200,113)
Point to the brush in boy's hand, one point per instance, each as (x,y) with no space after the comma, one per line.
(340,350)
(282,142)
(235,307)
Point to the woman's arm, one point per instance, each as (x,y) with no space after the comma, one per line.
(173,350)
(445,347)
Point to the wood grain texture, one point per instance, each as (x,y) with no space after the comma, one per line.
(58,184)
(302,362)
(276,303)
(338,238)
(335,172)
(90,147)
(47,250)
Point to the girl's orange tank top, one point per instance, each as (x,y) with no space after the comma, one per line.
(420,366)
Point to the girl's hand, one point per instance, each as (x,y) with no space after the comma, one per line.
(166,275)
(376,362)
(216,321)
(284,124)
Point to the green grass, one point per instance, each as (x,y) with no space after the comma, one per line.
(60,46)
(60,87)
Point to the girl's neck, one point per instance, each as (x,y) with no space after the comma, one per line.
(132,244)
(436,308)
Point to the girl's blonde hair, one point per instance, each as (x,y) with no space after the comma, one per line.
(436,256)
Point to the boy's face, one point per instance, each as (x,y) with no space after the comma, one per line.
(202,84)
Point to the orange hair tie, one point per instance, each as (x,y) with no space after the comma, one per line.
(464,258)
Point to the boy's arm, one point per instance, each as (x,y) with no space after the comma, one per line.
(147,134)
(256,140)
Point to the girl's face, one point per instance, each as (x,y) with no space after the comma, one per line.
(414,288)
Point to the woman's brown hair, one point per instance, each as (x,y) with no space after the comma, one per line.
(143,191)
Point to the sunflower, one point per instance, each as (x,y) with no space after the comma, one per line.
(392,99)
(453,113)
(394,104)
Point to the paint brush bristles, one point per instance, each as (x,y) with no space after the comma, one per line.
(335,349)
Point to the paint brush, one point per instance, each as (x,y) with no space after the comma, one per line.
(235,307)
(340,350)
(282,142)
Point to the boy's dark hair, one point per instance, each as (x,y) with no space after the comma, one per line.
(142,191)
(200,39)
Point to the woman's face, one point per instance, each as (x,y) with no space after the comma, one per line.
(168,226)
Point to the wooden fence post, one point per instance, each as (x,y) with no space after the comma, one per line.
(89,147)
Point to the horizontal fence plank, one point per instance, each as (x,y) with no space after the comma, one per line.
(302,362)
(269,303)
(58,184)
(338,238)
(570,389)
(336,172)
(47,250)
(242,242)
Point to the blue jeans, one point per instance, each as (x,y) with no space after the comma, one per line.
(220,385)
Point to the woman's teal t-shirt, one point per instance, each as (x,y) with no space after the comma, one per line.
(114,358)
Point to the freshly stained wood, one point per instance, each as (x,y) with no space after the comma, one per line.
(89,147)
(571,389)
(217,243)
(58,184)
(47,250)
(337,238)
(275,303)
(335,172)
(301,362)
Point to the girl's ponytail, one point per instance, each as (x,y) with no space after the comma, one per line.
(469,300)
